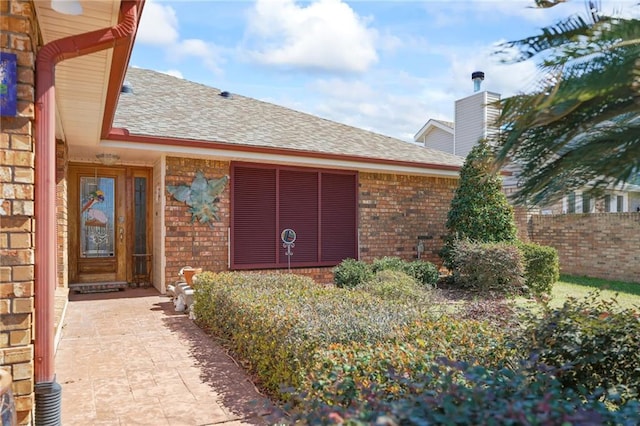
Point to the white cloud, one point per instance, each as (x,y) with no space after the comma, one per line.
(158,25)
(208,53)
(174,73)
(324,35)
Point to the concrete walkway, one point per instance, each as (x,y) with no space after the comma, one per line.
(127,358)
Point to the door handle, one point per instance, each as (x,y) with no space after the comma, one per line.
(121,233)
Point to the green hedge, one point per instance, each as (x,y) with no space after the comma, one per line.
(542,268)
(281,323)
(594,343)
(488,267)
(350,273)
(462,394)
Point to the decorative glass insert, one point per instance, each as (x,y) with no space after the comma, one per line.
(97,217)
(140,267)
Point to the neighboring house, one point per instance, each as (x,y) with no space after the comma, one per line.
(475,116)
(105,185)
(622,198)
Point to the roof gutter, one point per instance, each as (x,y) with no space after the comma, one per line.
(123,135)
(45,171)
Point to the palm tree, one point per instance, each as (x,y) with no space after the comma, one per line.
(580,125)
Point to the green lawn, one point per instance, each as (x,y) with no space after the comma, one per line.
(628,294)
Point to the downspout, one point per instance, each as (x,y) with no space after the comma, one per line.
(45,178)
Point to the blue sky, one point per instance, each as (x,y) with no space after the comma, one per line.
(385,66)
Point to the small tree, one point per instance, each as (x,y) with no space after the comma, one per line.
(479,210)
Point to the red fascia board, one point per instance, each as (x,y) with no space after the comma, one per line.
(119,64)
(124,136)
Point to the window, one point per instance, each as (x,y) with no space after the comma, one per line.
(586,203)
(319,205)
(571,202)
(620,203)
(607,203)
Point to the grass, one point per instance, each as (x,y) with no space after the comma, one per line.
(627,294)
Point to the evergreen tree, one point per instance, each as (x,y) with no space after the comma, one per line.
(479,210)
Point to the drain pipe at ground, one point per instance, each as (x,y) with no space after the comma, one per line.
(48,392)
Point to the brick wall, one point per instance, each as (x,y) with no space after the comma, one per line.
(398,211)
(603,245)
(19,36)
(395,213)
(62,167)
(194,244)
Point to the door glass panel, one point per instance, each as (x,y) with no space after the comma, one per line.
(97,214)
(141,257)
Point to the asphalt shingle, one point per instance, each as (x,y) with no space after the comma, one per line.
(166,106)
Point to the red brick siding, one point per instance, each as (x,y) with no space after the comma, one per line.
(394,211)
(19,35)
(603,245)
(194,244)
(62,167)
(397,210)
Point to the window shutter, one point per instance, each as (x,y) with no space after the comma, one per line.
(254,216)
(338,217)
(299,211)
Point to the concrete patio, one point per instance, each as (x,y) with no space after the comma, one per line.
(127,358)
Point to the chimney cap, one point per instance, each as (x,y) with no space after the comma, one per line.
(477,74)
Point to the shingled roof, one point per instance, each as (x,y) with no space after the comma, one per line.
(165,106)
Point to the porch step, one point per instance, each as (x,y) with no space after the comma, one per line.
(98,287)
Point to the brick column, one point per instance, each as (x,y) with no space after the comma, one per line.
(62,154)
(20,36)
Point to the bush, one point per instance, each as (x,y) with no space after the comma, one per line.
(388,263)
(461,394)
(425,273)
(342,373)
(394,285)
(479,208)
(489,267)
(277,322)
(350,272)
(541,266)
(595,344)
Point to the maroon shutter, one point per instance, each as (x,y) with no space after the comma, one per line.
(254,216)
(338,217)
(299,211)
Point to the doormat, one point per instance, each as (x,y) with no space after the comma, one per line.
(98,287)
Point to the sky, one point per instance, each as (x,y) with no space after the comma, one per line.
(384,66)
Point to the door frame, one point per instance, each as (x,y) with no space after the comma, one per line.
(125,177)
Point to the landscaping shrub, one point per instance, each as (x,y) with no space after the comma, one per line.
(594,343)
(276,322)
(341,373)
(424,272)
(460,394)
(395,285)
(488,267)
(479,208)
(388,263)
(350,272)
(541,266)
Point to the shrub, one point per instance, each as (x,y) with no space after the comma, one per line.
(461,394)
(489,267)
(595,344)
(542,268)
(388,263)
(394,285)
(479,209)
(350,272)
(342,373)
(276,322)
(425,273)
